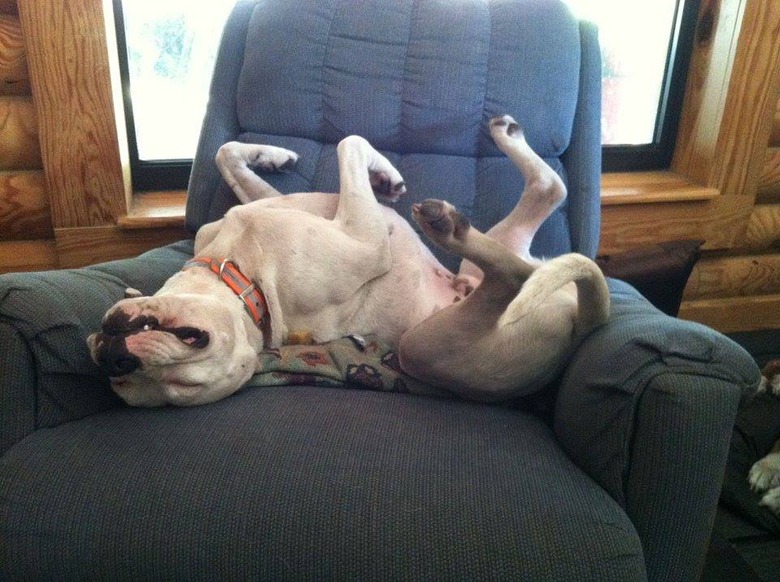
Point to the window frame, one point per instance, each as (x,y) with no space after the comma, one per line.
(170,174)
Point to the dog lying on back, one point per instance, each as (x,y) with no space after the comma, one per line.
(320,266)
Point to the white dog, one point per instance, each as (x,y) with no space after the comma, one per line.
(319,266)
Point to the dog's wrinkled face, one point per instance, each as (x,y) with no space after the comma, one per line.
(181,349)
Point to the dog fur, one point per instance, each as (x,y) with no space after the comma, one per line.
(333,265)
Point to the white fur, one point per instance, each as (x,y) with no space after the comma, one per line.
(331,265)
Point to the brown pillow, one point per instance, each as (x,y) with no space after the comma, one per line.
(659,272)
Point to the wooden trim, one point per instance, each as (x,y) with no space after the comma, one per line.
(19,145)
(88,183)
(14,77)
(35,255)
(735,314)
(80,246)
(723,133)
(156,209)
(720,222)
(652,187)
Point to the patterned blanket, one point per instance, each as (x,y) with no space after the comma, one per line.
(364,363)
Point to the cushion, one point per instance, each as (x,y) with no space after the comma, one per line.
(308,483)
(660,272)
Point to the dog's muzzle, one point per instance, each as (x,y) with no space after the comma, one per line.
(112,355)
(110,350)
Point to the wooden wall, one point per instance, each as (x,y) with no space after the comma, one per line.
(64,171)
(65,198)
(26,228)
(731,141)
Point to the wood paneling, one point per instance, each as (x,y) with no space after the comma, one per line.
(81,246)
(769,182)
(8,7)
(19,145)
(763,229)
(724,133)
(774,137)
(14,78)
(721,222)
(37,255)
(156,209)
(24,206)
(735,276)
(735,314)
(70,78)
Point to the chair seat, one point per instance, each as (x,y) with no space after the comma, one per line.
(303,482)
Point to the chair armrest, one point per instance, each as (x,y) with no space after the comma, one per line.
(646,408)
(46,374)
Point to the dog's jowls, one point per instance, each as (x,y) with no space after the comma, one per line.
(323,266)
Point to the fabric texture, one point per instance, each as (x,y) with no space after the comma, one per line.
(429,78)
(633,384)
(308,483)
(46,317)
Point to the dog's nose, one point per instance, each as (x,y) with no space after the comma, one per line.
(121,366)
(114,358)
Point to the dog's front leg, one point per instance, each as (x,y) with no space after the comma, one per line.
(235,161)
(365,174)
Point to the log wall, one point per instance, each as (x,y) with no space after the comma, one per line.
(26,227)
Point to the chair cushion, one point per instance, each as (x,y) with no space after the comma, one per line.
(419,80)
(285,483)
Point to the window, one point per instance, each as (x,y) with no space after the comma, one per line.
(645,50)
(167,49)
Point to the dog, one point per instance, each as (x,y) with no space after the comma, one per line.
(764,475)
(315,267)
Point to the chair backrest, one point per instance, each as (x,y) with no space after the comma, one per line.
(419,79)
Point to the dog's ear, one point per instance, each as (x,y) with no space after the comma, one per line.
(131,293)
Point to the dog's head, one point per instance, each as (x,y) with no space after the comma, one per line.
(181,349)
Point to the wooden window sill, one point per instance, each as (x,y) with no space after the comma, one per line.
(166,208)
(162,209)
(652,187)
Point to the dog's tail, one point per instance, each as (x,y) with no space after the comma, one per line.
(592,291)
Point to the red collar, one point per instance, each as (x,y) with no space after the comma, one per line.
(247,291)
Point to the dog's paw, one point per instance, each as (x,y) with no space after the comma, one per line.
(771,500)
(261,157)
(387,186)
(441,222)
(504,127)
(765,473)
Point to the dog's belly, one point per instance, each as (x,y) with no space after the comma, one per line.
(309,268)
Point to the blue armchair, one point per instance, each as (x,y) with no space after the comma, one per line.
(619,481)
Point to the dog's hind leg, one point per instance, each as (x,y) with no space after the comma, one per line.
(543,192)
(236,161)
(513,332)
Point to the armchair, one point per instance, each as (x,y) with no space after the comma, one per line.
(303,482)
